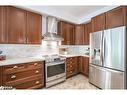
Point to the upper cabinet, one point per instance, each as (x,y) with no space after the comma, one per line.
(70,34)
(66,30)
(3,33)
(98,22)
(16,25)
(82,33)
(62,31)
(34,24)
(116,17)
(79,33)
(88,30)
(74,34)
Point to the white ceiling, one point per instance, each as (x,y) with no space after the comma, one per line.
(77,11)
(74,14)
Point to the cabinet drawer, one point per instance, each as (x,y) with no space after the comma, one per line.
(15,68)
(22,67)
(69,68)
(35,65)
(30,84)
(20,75)
(70,73)
(24,80)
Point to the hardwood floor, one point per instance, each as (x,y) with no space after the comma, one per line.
(76,82)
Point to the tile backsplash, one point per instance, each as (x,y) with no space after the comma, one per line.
(22,50)
(76,49)
(17,51)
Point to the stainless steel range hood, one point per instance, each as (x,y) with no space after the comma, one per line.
(51,34)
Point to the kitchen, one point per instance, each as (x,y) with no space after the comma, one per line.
(42,49)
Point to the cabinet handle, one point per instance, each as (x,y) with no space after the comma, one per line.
(71,66)
(15,67)
(35,64)
(37,72)
(13,77)
(37,82)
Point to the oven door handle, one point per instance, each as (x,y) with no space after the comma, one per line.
(55,63)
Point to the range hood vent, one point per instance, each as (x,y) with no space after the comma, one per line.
(51,32)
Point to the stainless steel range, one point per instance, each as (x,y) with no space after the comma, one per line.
(55,69)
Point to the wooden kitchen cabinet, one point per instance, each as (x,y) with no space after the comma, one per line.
(98,22)
(34,28)
(88,30)
(70,34)
(66,30)
(3,33)
(24,76)
(84,65)
(79,34)
(62,28)
(0,75)
(116,17)
(71,66)
(16,25)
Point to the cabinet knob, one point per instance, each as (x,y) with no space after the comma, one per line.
(35,64)
(36,71)
(37,82)
(71,66)
(15,67)
(71,72)
(13,77)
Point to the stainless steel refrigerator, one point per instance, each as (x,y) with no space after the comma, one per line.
(107,69)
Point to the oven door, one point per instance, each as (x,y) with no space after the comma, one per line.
(55,70)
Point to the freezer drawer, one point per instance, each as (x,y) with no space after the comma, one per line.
(97,76)
(106,78)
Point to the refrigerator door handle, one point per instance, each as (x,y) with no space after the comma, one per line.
(101,48)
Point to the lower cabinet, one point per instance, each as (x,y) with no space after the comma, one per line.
(84,65)
(0,76)
(24,76)
(71,66)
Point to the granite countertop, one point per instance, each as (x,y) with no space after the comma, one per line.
(32,59)
(20,60)
(74,55)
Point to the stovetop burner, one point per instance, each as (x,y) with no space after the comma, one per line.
(53,58)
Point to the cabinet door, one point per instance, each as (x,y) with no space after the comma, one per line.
(69,34)
(3,33)
(0,75)
(116,17)
(87,28)
(16,25)
(98,23)
(62,28)
(66,30)
(79,31)
(34,28)
(84,66)
(80,65)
